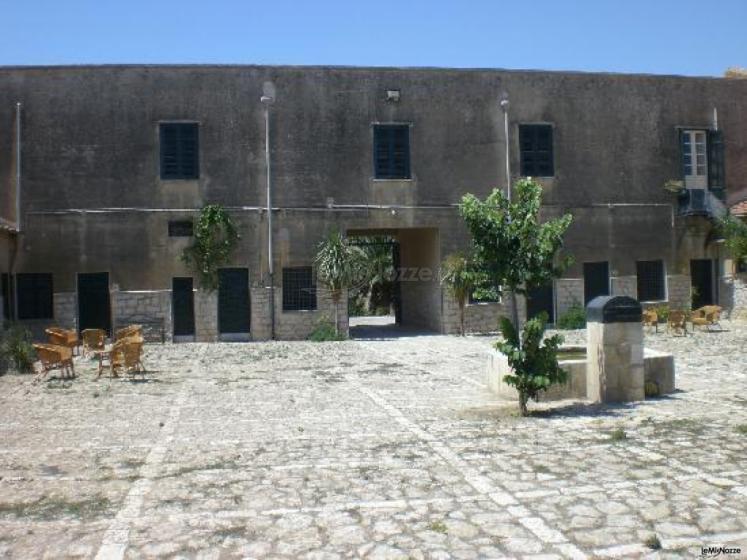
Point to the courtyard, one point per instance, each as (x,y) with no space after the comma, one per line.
(387,447)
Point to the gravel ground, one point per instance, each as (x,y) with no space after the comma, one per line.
(379,448)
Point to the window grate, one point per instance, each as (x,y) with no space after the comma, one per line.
(299,289)
(35,296)
(392,151)
(179,151)
(535,142)
(651,281)
(181,228)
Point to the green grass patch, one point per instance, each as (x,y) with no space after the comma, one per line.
(49,508)
(438,527)
(618,434)
(653,542)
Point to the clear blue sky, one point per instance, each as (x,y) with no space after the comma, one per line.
(654,36)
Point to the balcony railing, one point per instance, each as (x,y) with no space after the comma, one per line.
(701,202)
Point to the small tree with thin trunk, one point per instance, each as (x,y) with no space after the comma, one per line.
(339,266)
(457,276)
(513,250)
(516,252)
(533,360)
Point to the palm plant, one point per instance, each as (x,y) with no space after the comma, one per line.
(456,275)
(339,266)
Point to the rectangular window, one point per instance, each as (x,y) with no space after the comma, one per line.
(180,152)
(181,228)
(34,296)
(651,280)
(535,144)
(741,266)
(694,153)
(392,151)
(299,289)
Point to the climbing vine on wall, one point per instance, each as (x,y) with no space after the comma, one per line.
(215,240)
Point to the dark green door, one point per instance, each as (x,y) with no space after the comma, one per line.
(596,280)
(183,306)
(233,300)
(701,277)
(94,308)
(539,300)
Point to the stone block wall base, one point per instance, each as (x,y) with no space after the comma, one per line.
(478,317)
(679,293)
(146,305)
(206,316)
(569,292)
(624,286)
(66,309)
(298,325)
(261,325)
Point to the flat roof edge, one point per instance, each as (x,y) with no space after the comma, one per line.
(355,68)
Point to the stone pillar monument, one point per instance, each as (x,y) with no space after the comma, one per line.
(614,370)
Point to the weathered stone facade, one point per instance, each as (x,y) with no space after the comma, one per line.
(206,316)
(734,295)
(153,306)
(678,291)
(624,286)
(101,196)
(261,323)
(66,310)
(569,292)
(298,325)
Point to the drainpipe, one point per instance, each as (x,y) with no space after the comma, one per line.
(504,107)
(267,101)
(16,241)
(18,167)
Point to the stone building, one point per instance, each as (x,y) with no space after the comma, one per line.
(113,163)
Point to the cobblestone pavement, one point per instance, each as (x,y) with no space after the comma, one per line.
(374,449)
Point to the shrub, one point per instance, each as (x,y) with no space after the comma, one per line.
(574,318)
(533,361)
(662,312)
(325,331)
(356,306)
(16,350)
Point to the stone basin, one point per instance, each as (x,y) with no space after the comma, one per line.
(658,374)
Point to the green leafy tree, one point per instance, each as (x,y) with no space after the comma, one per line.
(214,241)
(379,274)
(735,235)
(512,248)
(458,277)
(533,360)
(339,265)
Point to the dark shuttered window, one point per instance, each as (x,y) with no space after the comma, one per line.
(299,289)
(181,228)
(180,151)
(716,171)
(535,142)
(651,280)
(34,296)
(391,151)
